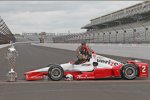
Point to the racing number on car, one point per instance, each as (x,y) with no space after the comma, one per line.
(143,69)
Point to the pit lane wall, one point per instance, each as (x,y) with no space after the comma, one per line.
(141,51)
(4,45)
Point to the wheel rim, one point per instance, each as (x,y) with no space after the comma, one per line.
(130,72)
(55,73)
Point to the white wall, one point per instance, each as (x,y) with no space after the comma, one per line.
(141,51)
(4,45)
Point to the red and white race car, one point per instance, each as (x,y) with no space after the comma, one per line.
(95,68)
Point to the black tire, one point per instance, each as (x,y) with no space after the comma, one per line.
(55,73)
(129,71)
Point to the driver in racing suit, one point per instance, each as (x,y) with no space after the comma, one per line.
(84,52)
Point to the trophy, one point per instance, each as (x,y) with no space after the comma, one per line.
(11,57)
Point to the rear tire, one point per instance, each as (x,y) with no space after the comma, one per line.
(55,73)
(129,71)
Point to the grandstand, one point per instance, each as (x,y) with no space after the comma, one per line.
(5,34)
(31,36)
(20,38)
(34,37)
(128,25)
(49,37)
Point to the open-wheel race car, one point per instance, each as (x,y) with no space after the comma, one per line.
(96,67)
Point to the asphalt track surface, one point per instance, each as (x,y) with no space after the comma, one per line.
(33,57)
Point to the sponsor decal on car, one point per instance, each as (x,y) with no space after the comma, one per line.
(85,77)
(109,62)
(36,77)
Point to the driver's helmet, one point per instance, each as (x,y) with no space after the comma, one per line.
(83,42)
(69,77)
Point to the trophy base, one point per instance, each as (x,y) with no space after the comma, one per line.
(12,76)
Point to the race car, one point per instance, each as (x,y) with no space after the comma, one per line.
(96,67)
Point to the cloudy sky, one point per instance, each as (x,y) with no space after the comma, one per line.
(55,16)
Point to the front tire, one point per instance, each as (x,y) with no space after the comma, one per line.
(55,73)
(129,71)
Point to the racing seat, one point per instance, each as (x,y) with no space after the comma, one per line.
(77,62)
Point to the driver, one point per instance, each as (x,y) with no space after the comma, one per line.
(84,52)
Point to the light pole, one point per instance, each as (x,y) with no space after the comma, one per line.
(146,29)
(103,37)
(109,36)
(98,37)
(134,30)
(124,38)
(116,36)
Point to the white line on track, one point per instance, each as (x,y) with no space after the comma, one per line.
(67,82)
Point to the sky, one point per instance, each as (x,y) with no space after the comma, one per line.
(55,16)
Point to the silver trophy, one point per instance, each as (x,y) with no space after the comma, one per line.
(11,57)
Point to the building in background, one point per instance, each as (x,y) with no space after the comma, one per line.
(5,34)
(42,37)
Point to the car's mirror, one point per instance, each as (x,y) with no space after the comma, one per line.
(95,63)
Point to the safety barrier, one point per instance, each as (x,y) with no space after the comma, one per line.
(4,45)
(126,50)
